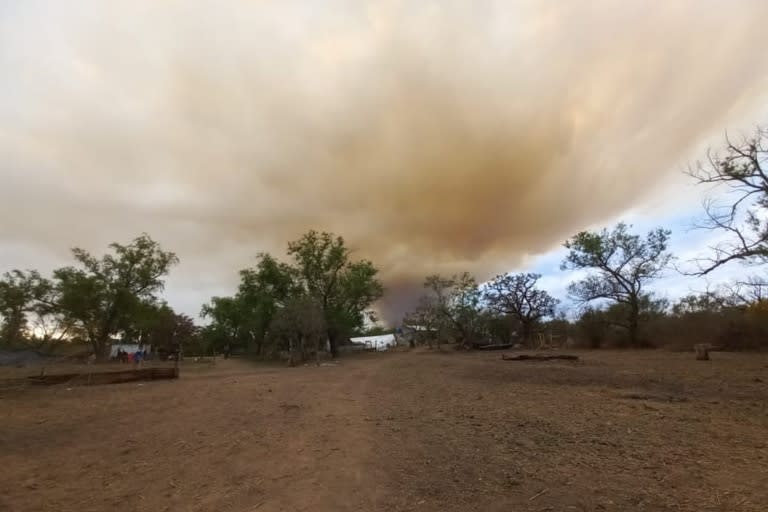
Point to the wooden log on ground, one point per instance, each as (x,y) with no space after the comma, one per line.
(141,374)
(49,380)
(540,357)
(503,346)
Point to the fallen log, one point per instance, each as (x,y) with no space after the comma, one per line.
(503,346)
(110,377)
(539,357)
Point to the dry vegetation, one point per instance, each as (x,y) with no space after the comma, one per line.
(404,431)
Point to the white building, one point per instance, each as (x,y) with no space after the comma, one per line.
(379,343)
(128,348)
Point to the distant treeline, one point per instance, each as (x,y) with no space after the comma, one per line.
(315,299)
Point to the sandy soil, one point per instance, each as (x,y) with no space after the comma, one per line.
(403,431)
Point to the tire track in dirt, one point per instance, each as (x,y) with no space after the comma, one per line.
(325,466)
(269,440)
(399,432)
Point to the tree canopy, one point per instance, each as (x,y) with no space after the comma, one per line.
(319,294)
(516,295)
(621,264)
(319,276)
(104,293)
(101,297)
(457,303)
(20,296)
(343,289)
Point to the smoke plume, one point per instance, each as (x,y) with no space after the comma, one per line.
(436,136)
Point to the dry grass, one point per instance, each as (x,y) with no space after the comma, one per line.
(429,431)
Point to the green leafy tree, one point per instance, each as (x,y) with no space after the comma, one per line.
(102,295)
(621,264)
(343,289)
(516,295)
(159,326)
(457,301)
(299,326)
(321,271)
(225,330)
(263,290)
(242,321)
(20,294)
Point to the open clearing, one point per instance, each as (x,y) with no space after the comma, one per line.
(402,431)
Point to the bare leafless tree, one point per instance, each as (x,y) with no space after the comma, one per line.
(516,295)
(741,172)
(745,292)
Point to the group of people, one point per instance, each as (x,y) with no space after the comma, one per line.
(132,357)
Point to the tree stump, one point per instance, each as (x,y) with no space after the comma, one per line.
(702,352)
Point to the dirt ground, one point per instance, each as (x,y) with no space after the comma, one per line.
(401,431)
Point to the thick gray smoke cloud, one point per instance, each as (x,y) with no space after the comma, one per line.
(435,136)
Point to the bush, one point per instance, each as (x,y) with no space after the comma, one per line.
(730,329)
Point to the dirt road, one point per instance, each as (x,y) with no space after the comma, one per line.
(431,432)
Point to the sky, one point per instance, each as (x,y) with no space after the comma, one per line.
(435,136)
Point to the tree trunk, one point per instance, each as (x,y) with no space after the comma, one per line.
(526,328)
(101,348)
(291,352)
(634,315)
(259,342)
(461,340)
(332,342)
